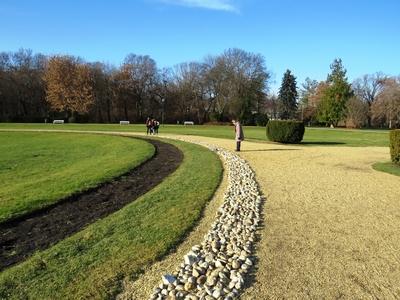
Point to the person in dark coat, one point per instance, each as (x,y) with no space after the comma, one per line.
(148,125)
(156,126)
(239,136)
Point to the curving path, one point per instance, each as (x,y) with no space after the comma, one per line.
(21,237)
(332,223)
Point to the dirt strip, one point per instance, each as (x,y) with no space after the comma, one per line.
(21,237)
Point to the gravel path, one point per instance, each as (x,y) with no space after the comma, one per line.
(332,223)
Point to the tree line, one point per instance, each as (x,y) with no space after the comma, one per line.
(36,87)
(370,101)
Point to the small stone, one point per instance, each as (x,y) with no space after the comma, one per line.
(190,258)
(164,292)
(153,297)
(189,286)
(219,264)
(211,281)
(216,245)
(168,279)
(217,293)
(196,248)
(196,273)
(209,258)
(238,285)
(231,285)
(201,280)
(245,267)
(248,262)
(235,264)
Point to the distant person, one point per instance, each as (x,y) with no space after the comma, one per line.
(153,122)
(239,136)
(156,126)
(148,125)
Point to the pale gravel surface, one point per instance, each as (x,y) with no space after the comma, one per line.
(332,223)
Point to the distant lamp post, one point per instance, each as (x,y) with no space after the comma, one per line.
(163,110)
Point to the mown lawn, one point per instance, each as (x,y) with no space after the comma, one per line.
(93,262)
(38,169)
(387,167)
(313,136)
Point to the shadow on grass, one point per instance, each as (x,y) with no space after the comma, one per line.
(322,143)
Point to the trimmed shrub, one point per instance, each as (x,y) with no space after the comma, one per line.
(285,131)
(395,146)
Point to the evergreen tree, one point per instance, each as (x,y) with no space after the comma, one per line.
(287,104)
(332,108)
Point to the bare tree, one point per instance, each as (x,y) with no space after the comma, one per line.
(140,75)
(357,113)
(386,108)
(308,88)
(368,88)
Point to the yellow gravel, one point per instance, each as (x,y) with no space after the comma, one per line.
(332,223)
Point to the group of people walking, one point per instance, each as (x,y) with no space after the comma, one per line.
(152,126)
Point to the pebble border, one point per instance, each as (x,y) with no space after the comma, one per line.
(216,268)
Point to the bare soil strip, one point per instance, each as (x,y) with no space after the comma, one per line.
(21,237)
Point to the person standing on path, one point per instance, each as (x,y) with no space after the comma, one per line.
(239,136)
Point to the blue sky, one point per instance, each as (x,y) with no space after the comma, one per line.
(303,36)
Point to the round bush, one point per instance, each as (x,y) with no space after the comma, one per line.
(395,146)
(285,131)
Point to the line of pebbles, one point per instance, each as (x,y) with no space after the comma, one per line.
(216,268)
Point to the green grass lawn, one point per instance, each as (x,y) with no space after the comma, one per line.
(38,169)
(387,167)
(313,136)
(92,263)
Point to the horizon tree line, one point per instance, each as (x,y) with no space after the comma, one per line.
(235,83)
(370,101)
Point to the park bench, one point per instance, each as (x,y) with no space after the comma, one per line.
(188,123)
(58,122)
(123,122)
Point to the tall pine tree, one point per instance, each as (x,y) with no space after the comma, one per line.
(332,108)
(287,104)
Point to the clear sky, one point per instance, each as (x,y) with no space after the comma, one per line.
(303,36)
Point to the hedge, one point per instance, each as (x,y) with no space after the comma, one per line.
(395,146)
(285,131)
